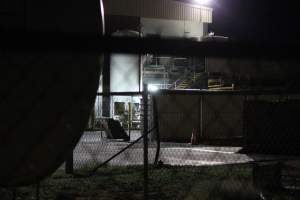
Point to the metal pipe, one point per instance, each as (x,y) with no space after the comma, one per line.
(155,113)
(119,93)
(145,102)
(25,42)
(208,92)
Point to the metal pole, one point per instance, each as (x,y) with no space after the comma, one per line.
(14,194)
(145,101)
(69,168)
(140,60)
(37,194)
(129,118)
(155,119)
(201,117)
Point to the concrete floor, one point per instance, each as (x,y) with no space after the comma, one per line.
(94,149)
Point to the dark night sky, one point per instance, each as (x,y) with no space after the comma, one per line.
(257,20)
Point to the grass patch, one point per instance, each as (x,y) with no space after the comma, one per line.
(167,182)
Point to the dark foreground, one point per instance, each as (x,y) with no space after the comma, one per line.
(165,182)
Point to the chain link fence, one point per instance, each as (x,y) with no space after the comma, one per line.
(183,144)
(200,145)
(227,145)
(200,134)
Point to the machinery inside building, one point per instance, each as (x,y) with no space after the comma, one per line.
(126,73)
(181,20)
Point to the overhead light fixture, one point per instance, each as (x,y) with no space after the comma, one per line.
(203,2)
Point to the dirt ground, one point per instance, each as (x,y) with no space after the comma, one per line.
(165,182)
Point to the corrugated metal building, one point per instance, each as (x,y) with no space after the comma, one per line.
(158,18)
(161,9)
(162,18)
(165,18)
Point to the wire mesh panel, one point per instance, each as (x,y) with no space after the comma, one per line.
(245,147)
(94,149)
(220,140)
(193,152)
(177,116)
(222,117)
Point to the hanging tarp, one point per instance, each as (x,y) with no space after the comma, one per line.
(46,98)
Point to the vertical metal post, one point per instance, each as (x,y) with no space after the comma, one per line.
(201,118)
(140,61)
(14,194)
(129,118)
(69,168)
(37,194)
(157,132)
(145,101)
(106,99)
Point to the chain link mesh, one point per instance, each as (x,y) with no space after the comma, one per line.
(237,154)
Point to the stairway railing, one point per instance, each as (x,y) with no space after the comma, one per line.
(185,77)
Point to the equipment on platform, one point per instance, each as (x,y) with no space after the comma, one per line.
(194,137)
(113,129)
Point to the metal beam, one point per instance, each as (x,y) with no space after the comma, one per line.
(180,47)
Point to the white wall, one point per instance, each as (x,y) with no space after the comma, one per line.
(124,74)
(125,68)
(172,28)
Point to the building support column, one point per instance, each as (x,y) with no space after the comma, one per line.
(106,100)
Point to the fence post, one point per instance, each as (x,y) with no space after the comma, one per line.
(69,168)
(37,192)
(145,139)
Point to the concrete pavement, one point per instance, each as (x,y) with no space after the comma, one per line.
(94,149)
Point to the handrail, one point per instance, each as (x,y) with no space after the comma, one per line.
(182,79)
(228,92)
(179,80)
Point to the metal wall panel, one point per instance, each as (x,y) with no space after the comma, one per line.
(165,9)
(177,116)
(214,117)
(222,117)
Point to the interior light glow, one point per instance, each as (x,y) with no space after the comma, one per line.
(152,88)
(203,2)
